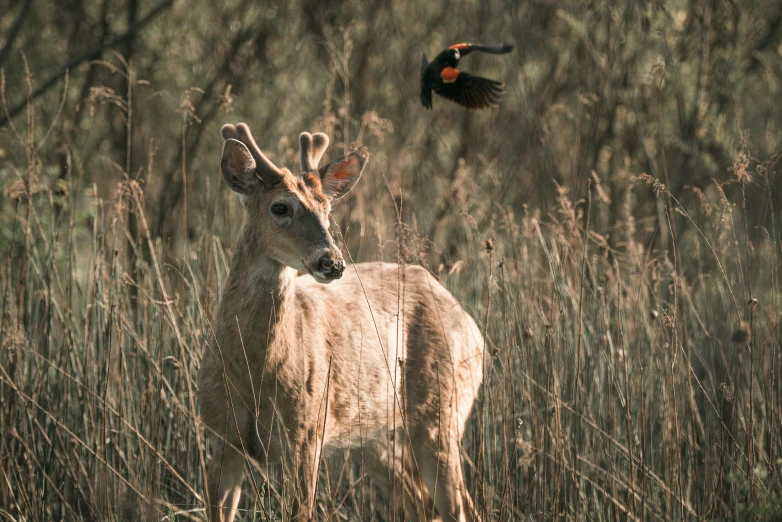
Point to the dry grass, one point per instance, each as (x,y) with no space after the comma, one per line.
(633,354)
(615,386)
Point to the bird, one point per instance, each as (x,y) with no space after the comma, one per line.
(473,92)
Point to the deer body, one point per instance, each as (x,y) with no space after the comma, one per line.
(383,363)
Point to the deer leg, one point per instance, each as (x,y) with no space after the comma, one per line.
(441,471)
(416,501)
(224,476)
(307,461)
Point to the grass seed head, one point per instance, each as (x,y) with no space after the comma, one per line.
(727,390)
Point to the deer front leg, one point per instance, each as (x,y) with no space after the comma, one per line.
(307,460)
(224,475)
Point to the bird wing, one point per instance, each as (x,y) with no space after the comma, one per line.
(469,91)
(426,89)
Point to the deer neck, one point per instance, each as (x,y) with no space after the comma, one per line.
(257,309)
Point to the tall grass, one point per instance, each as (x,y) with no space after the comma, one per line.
(622,382)
(633,343)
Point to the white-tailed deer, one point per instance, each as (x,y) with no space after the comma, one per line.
(383,363)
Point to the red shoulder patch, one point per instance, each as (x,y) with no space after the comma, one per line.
(460,46)
(449,74)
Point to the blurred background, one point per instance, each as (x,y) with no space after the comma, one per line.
(611,226)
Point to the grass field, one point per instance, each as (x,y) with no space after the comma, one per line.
(631,306)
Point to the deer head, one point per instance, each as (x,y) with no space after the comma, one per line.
(287,214)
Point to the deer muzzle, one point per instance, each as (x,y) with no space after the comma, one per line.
(330,267)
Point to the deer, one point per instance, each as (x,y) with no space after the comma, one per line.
(376,359)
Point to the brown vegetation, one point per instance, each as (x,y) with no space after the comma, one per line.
(627,184)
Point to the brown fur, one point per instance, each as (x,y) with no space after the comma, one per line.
(298,368)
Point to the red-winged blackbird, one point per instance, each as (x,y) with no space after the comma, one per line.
(441,76)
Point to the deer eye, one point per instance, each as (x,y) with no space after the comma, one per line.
(280,209)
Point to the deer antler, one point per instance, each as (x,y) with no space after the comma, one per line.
(312,148)
(269,173)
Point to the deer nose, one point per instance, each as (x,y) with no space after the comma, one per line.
(331,268)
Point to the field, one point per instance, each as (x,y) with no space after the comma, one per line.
(611,227)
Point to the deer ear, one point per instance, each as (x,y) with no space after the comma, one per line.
(238,167)
(339,177)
